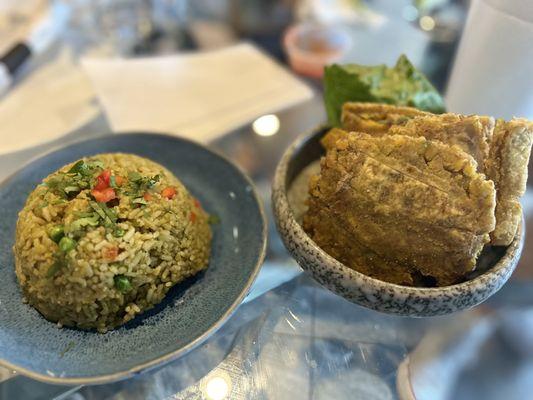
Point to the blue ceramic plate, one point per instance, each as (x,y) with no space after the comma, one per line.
(192,310)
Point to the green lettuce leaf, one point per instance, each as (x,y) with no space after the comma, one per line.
(402,85)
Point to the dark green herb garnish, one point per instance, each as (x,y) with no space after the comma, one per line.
(213,219)
(401,85)
(139,200)
(86,167)
(119,232)
(138,184)
(153,180)
(79,176)
(56,233)
(134,176)
(122,283)
(96,207)
(108,215)
(65,244)
(109,212)
(58,201)
(89,220)
(58,263)
(80,167)
(54,268)
(101,215)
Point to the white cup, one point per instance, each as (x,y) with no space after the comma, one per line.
(493,70)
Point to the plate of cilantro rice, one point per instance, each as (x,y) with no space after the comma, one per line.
(119,254)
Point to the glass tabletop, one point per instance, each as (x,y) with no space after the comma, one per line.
(293,339)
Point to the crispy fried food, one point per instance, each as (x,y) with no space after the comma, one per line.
(507,167)
(471,133)
(401,209)
(502,153)
(375,118)
(332,235)
(332,136)
(416,197)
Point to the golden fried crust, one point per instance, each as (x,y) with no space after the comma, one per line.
(336,240)
(471,133)
(413,202)
(507,167)
(375,118)
(501,153)
(331,137)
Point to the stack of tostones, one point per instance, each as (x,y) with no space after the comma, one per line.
(411,197)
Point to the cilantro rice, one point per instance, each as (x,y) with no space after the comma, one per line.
(105,238)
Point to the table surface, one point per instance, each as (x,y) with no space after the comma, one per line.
(293,339)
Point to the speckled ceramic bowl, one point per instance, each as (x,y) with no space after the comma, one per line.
(191,311)
(494,266)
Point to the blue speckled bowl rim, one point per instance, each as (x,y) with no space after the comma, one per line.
(280,200)
(108,378)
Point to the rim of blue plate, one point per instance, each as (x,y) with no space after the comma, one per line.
(160,361)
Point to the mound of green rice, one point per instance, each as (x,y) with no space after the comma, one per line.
(105,238)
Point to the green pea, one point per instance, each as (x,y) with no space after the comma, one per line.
(122,283)
(56,233)
(66,244)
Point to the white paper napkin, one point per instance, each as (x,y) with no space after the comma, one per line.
(199,95)
(49,103)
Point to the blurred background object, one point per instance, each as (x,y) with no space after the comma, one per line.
(29,32)
(110,27)
(16,19)
(338,12)
(484,353)
(310,47)
(492,72)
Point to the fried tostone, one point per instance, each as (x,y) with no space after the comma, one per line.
(376,118)
(402,209)
(507,167)
(471,133)
(501,152)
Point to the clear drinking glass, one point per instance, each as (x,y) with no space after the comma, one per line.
(109,27)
